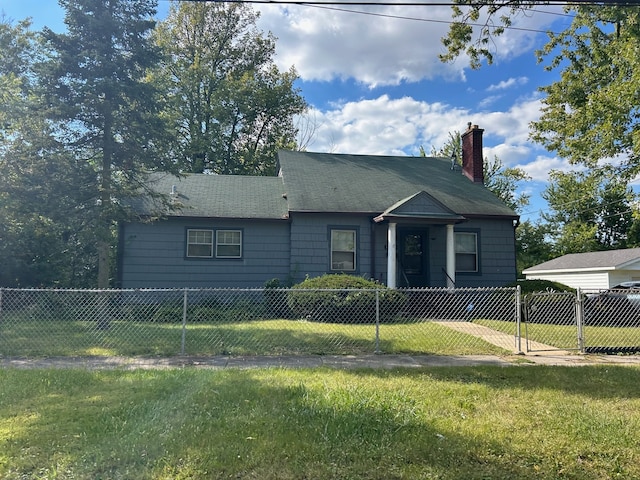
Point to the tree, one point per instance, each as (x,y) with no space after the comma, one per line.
(532,244)
(494,17)
(591,114)
(103,109)
(588,211)
(500,180)
(232,107)
(38,190)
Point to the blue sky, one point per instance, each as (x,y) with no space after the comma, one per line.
(376,86)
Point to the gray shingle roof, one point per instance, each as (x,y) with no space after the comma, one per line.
(322,182)
(610,259)
(225,196)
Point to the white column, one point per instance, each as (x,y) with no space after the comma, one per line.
(451,257)
(391,256)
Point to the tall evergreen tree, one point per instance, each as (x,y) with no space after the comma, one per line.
(103,107)
(232,107)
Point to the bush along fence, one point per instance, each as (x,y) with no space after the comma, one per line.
(296,321)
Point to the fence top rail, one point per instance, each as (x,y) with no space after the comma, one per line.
(257,289)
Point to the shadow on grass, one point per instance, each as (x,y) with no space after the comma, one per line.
(240,424)
(592,381)
(257,337)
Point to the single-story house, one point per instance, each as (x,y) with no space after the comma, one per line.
(405,221)
(590,270)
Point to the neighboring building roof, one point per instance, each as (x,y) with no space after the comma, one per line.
(323,182)
(606,260)
(224,196)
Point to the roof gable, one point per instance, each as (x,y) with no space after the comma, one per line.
(419,206)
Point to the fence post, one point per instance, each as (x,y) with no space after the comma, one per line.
(377,351)
(519,319)
(1,290)
(580,319)
(184,321)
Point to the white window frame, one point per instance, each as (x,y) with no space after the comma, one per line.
(467,253)
(352,251)
(220,243)
(198,241)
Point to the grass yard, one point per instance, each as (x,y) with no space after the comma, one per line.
(36,337)
(565,336)
(438,423)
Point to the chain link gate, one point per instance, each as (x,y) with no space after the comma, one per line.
(552,321)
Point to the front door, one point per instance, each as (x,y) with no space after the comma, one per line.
(413,265)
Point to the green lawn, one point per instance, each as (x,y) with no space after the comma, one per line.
(518,422)
(37,337)
(565,336)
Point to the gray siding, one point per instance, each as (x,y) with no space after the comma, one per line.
(497,254)
(310,243)
(154,255)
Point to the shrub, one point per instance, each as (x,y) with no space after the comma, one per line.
(344,299)
(532,286)
(275,297)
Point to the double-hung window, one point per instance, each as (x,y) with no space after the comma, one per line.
(199,243)
(211,243)
(228,244)
(466,252)
(343,250)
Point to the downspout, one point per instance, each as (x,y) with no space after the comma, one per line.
(373,250)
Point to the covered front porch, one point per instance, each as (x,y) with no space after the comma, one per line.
(420,243)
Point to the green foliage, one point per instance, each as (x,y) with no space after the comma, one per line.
(343,298)
(275,297)
(533,286)
(588,211)
(591,113)
(533,245)
(488,19)
(102,108)
(231,106)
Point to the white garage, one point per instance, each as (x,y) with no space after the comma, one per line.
(591,270)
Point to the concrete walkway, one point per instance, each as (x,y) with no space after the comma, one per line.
(503,340)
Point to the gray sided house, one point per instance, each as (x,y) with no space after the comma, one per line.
(405,221)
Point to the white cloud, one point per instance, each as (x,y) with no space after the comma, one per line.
(507,84)
(385,126)
(539,168)
(330,43)
(400,126)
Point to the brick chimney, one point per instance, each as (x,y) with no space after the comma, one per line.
(472,159)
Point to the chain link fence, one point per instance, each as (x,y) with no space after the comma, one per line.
(269,321)
(274,321)
(606,321)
